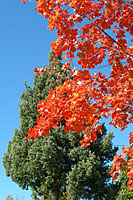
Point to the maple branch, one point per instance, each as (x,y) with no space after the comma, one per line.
(80,12)
(127,52)
(117,74)
(119,51)
(129,5)
(103,66)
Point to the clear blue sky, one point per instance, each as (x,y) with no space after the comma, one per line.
(24,45)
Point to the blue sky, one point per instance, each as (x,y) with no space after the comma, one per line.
(24,45)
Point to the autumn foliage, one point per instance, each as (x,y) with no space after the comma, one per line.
(10,197)
(98,34)
(124,162)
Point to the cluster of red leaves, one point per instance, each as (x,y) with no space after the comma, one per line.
(42,198)
(9,197)
(124,162)
(81,102)
(39,71)
(24,1)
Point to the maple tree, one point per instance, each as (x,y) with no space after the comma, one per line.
(96,33)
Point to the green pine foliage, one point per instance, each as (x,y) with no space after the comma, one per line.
(89,177)
(57,166)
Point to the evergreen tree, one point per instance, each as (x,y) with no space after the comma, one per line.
(56,167)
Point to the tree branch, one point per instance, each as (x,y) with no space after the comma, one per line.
(80,12)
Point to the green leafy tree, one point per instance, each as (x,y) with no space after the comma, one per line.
(57,167)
